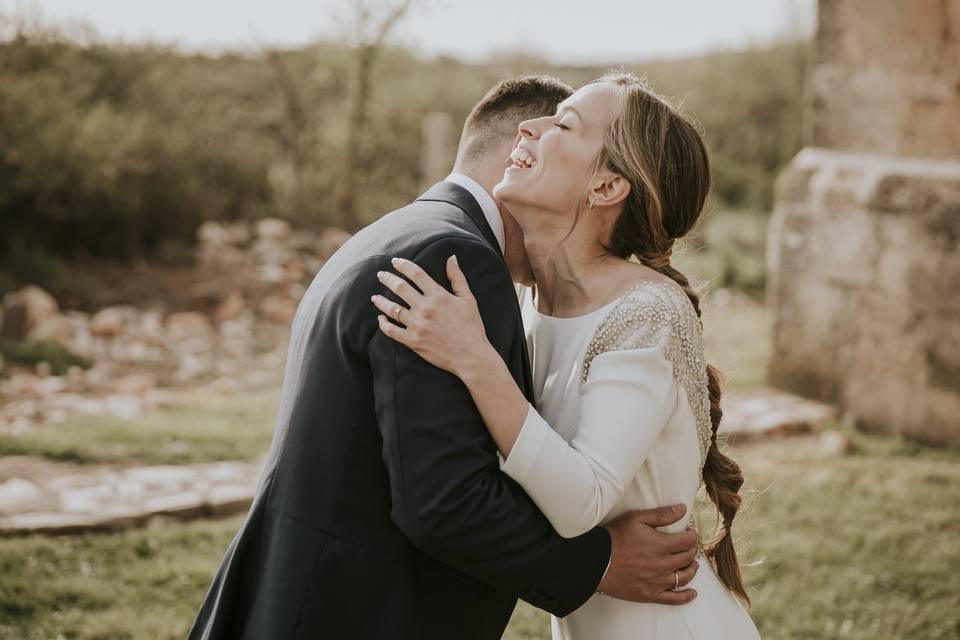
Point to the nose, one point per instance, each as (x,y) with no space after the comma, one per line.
(528,129)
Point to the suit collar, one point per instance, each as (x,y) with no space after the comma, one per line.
(487,204)
(458,196)
(461,198)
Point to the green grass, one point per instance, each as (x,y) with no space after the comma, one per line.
(139,584)
(857,547)
(223,428)
(862,547)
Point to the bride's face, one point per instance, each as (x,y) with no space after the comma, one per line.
(553,158)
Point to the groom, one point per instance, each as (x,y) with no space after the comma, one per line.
(381,512)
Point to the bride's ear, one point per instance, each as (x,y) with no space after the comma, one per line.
(608,189)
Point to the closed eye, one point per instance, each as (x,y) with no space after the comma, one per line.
(560,125)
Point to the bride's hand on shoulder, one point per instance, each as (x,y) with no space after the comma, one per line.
(444,328)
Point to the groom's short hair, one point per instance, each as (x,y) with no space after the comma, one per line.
(495,118)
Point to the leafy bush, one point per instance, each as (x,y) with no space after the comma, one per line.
(120,152)
(99,161)
(727,249)
(32,352)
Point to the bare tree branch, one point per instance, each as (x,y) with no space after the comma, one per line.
(372,28)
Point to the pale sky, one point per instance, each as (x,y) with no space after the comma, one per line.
(563,31)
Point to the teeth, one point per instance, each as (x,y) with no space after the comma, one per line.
(522,158)
(522,154)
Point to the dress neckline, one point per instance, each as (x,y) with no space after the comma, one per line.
(560,319)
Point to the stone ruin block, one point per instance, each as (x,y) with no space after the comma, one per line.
(886,77)
(864,263)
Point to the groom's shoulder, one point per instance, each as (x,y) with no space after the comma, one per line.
(423,230)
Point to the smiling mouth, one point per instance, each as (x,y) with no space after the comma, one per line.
(521,159)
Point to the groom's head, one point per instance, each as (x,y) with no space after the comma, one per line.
(487,140)
(491,128)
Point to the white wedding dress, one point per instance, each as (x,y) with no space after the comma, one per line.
(622,422)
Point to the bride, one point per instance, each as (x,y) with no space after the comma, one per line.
(626,409)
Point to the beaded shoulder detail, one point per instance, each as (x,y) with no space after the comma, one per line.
(653,313)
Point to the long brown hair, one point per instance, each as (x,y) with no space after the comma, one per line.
(660,152)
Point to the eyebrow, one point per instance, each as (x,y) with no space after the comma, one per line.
(566,107)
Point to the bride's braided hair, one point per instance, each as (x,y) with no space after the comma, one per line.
(659,151)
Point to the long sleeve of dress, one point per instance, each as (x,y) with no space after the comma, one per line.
(625,404)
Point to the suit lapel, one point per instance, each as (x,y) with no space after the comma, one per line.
(462,199)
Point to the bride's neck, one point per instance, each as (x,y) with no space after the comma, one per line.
(567,266)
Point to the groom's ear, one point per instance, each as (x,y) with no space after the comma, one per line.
(609,189)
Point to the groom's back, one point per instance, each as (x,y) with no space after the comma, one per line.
(318,555)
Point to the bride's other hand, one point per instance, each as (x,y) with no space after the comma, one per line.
(445,329)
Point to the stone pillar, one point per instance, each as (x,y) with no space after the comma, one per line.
(864,245)
(438,148)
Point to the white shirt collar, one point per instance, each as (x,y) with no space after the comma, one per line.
(485,200)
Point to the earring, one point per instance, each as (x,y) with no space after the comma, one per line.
(592,203)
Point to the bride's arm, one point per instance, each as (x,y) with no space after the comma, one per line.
(447,331)
(623,408)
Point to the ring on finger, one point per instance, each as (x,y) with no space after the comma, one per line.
(676,580)
(396,314)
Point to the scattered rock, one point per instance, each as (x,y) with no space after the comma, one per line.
(188,324)
(332,239)
(835,443)
(25,310)
(213,234)
(55,327)
(50,385)
(272,273)
(123,406)
(295,271)
(221,257)
(136,384)
(236,337)
(186,503)
(770,412)
(278,309)
(273,229)
(18,384)
(238,233)
(103,499)
(225,385)
(191,367)
(151,326)
(18,494)
(231,307)
(227,499)
(303,240)
(99,375)
(14,325)
(110,322)
(143,358)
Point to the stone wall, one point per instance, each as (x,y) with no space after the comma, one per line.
(886,77)
(864,245)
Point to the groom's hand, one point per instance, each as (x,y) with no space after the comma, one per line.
(645,564)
